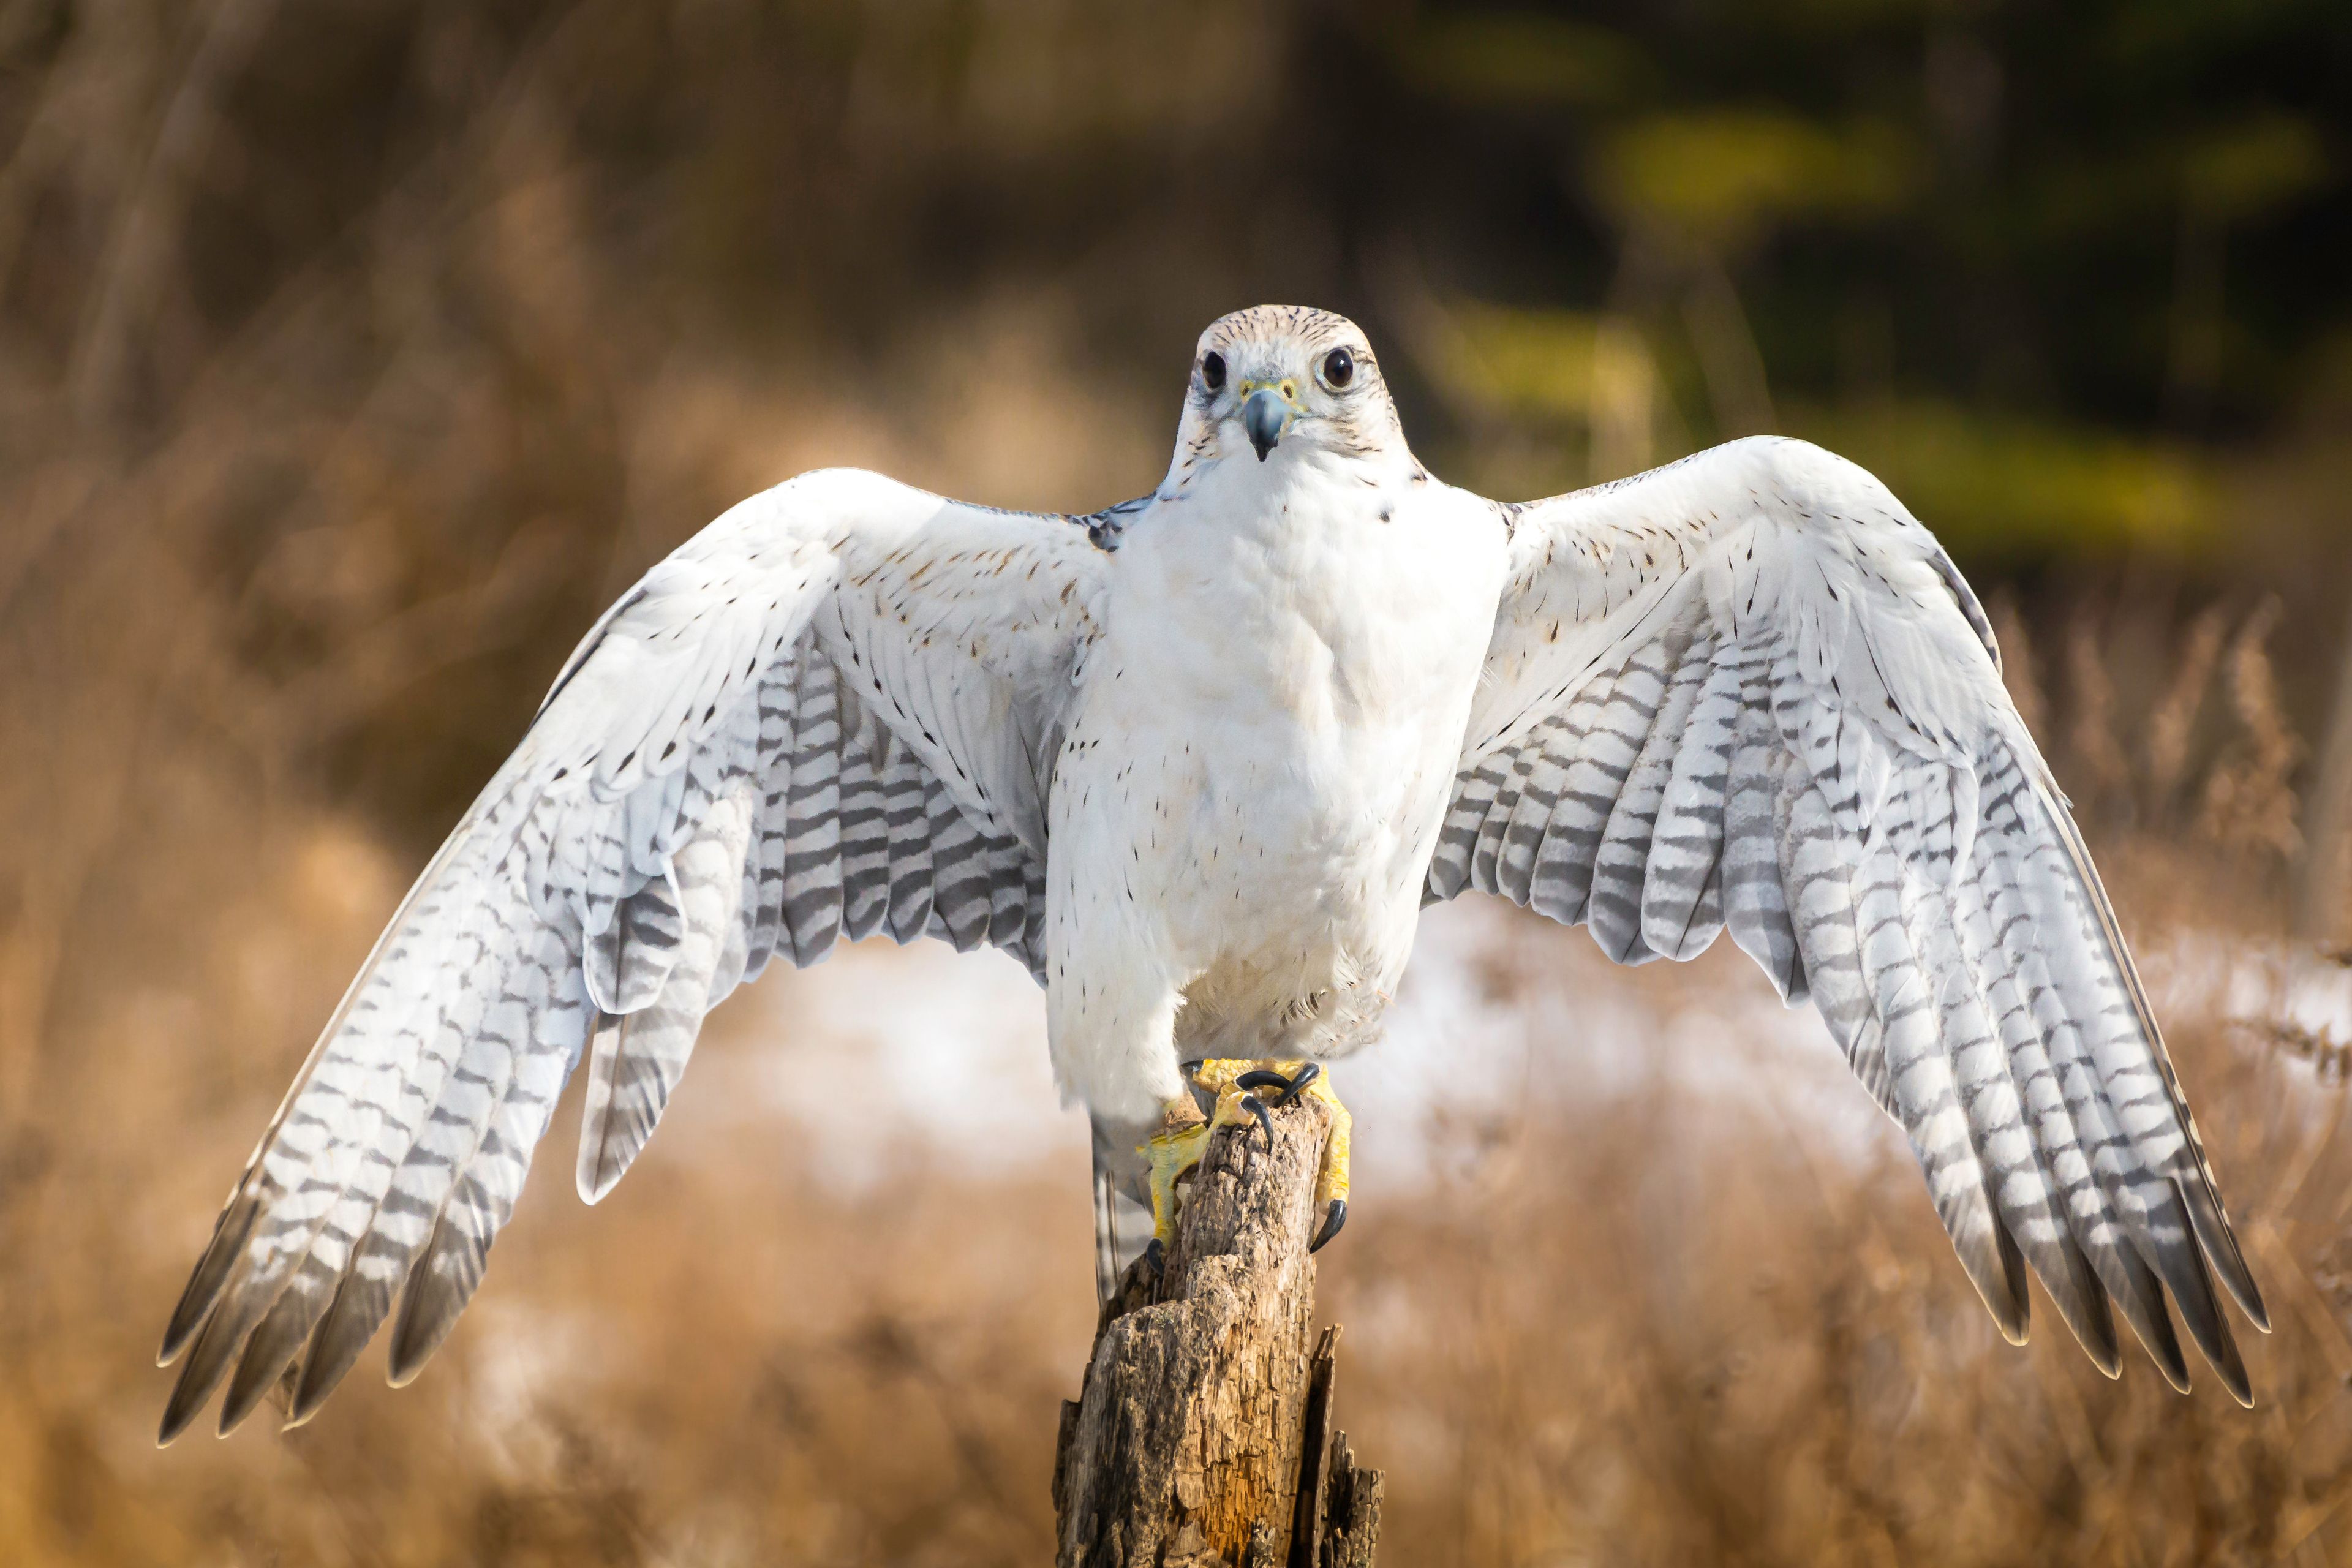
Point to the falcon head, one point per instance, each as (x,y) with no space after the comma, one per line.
(1285,378)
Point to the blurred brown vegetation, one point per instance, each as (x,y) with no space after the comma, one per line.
(352,355)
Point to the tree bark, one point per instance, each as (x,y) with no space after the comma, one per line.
(1203,1435)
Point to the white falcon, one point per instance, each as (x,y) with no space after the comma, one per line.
(1198,761)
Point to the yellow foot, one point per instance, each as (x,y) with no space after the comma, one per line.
(1243,1091)
(1175,1149)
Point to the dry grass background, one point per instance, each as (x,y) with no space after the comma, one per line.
(294,520)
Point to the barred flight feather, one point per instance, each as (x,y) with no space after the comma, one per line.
(2109,1233)
(1755,905)
(812,853)
(777,695)
(684,805)
(1620,865)
(864,818)
(638,1057)
(1799,732)
(1553,868)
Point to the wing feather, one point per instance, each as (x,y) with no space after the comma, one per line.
(865,836)
(1620,864)
(778,694)
(1776,709)
(1596,755)
(819,717)
(905,788)
(1682,906)
(1755,905)
(812,852)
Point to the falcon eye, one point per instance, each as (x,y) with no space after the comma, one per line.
(1213,371)
(1338,369)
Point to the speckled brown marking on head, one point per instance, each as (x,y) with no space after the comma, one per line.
(1272,343)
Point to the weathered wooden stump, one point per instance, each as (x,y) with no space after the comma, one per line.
(1203,1435)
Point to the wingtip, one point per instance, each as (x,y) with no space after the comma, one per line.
(596,1184)
(2014,1311)
(2083,1306)
(1999,1284)
(414,1340)
(180,1413)
(2218,1241)
(2105,1349)
(2231,1368)
(209,1278)
(2010,1314)
(309,1397)
(2142,1300)
(246,1390)
(188,1319)
(2241,1289)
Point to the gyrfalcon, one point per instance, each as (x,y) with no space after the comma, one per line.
(1198,761)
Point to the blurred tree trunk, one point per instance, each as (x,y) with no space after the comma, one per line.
(1203,1435)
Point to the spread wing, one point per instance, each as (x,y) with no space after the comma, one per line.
(831,713)
(1750,691)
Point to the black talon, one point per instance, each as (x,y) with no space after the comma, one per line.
(1332,1221)
(1256,1108)
(1266,1077)
(1155,1256)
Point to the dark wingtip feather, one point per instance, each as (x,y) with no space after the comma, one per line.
(2194,1195)
(215,1351)
(440,1284)
(2156,1333)
(2019,1322)
(2212,1333)
(205,1281)
(2220,1244)
(351,1320)
(269,1353)
(1998,1277)
(2082,1303)
(322,1374)
(2135,1291)
(188,1400)
(410,1352)
(2234,1378)
(2181,1266)
(289,1390)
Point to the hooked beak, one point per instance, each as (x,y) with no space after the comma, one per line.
(1264,416)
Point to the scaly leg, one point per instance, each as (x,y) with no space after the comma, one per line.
(1177,1147)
